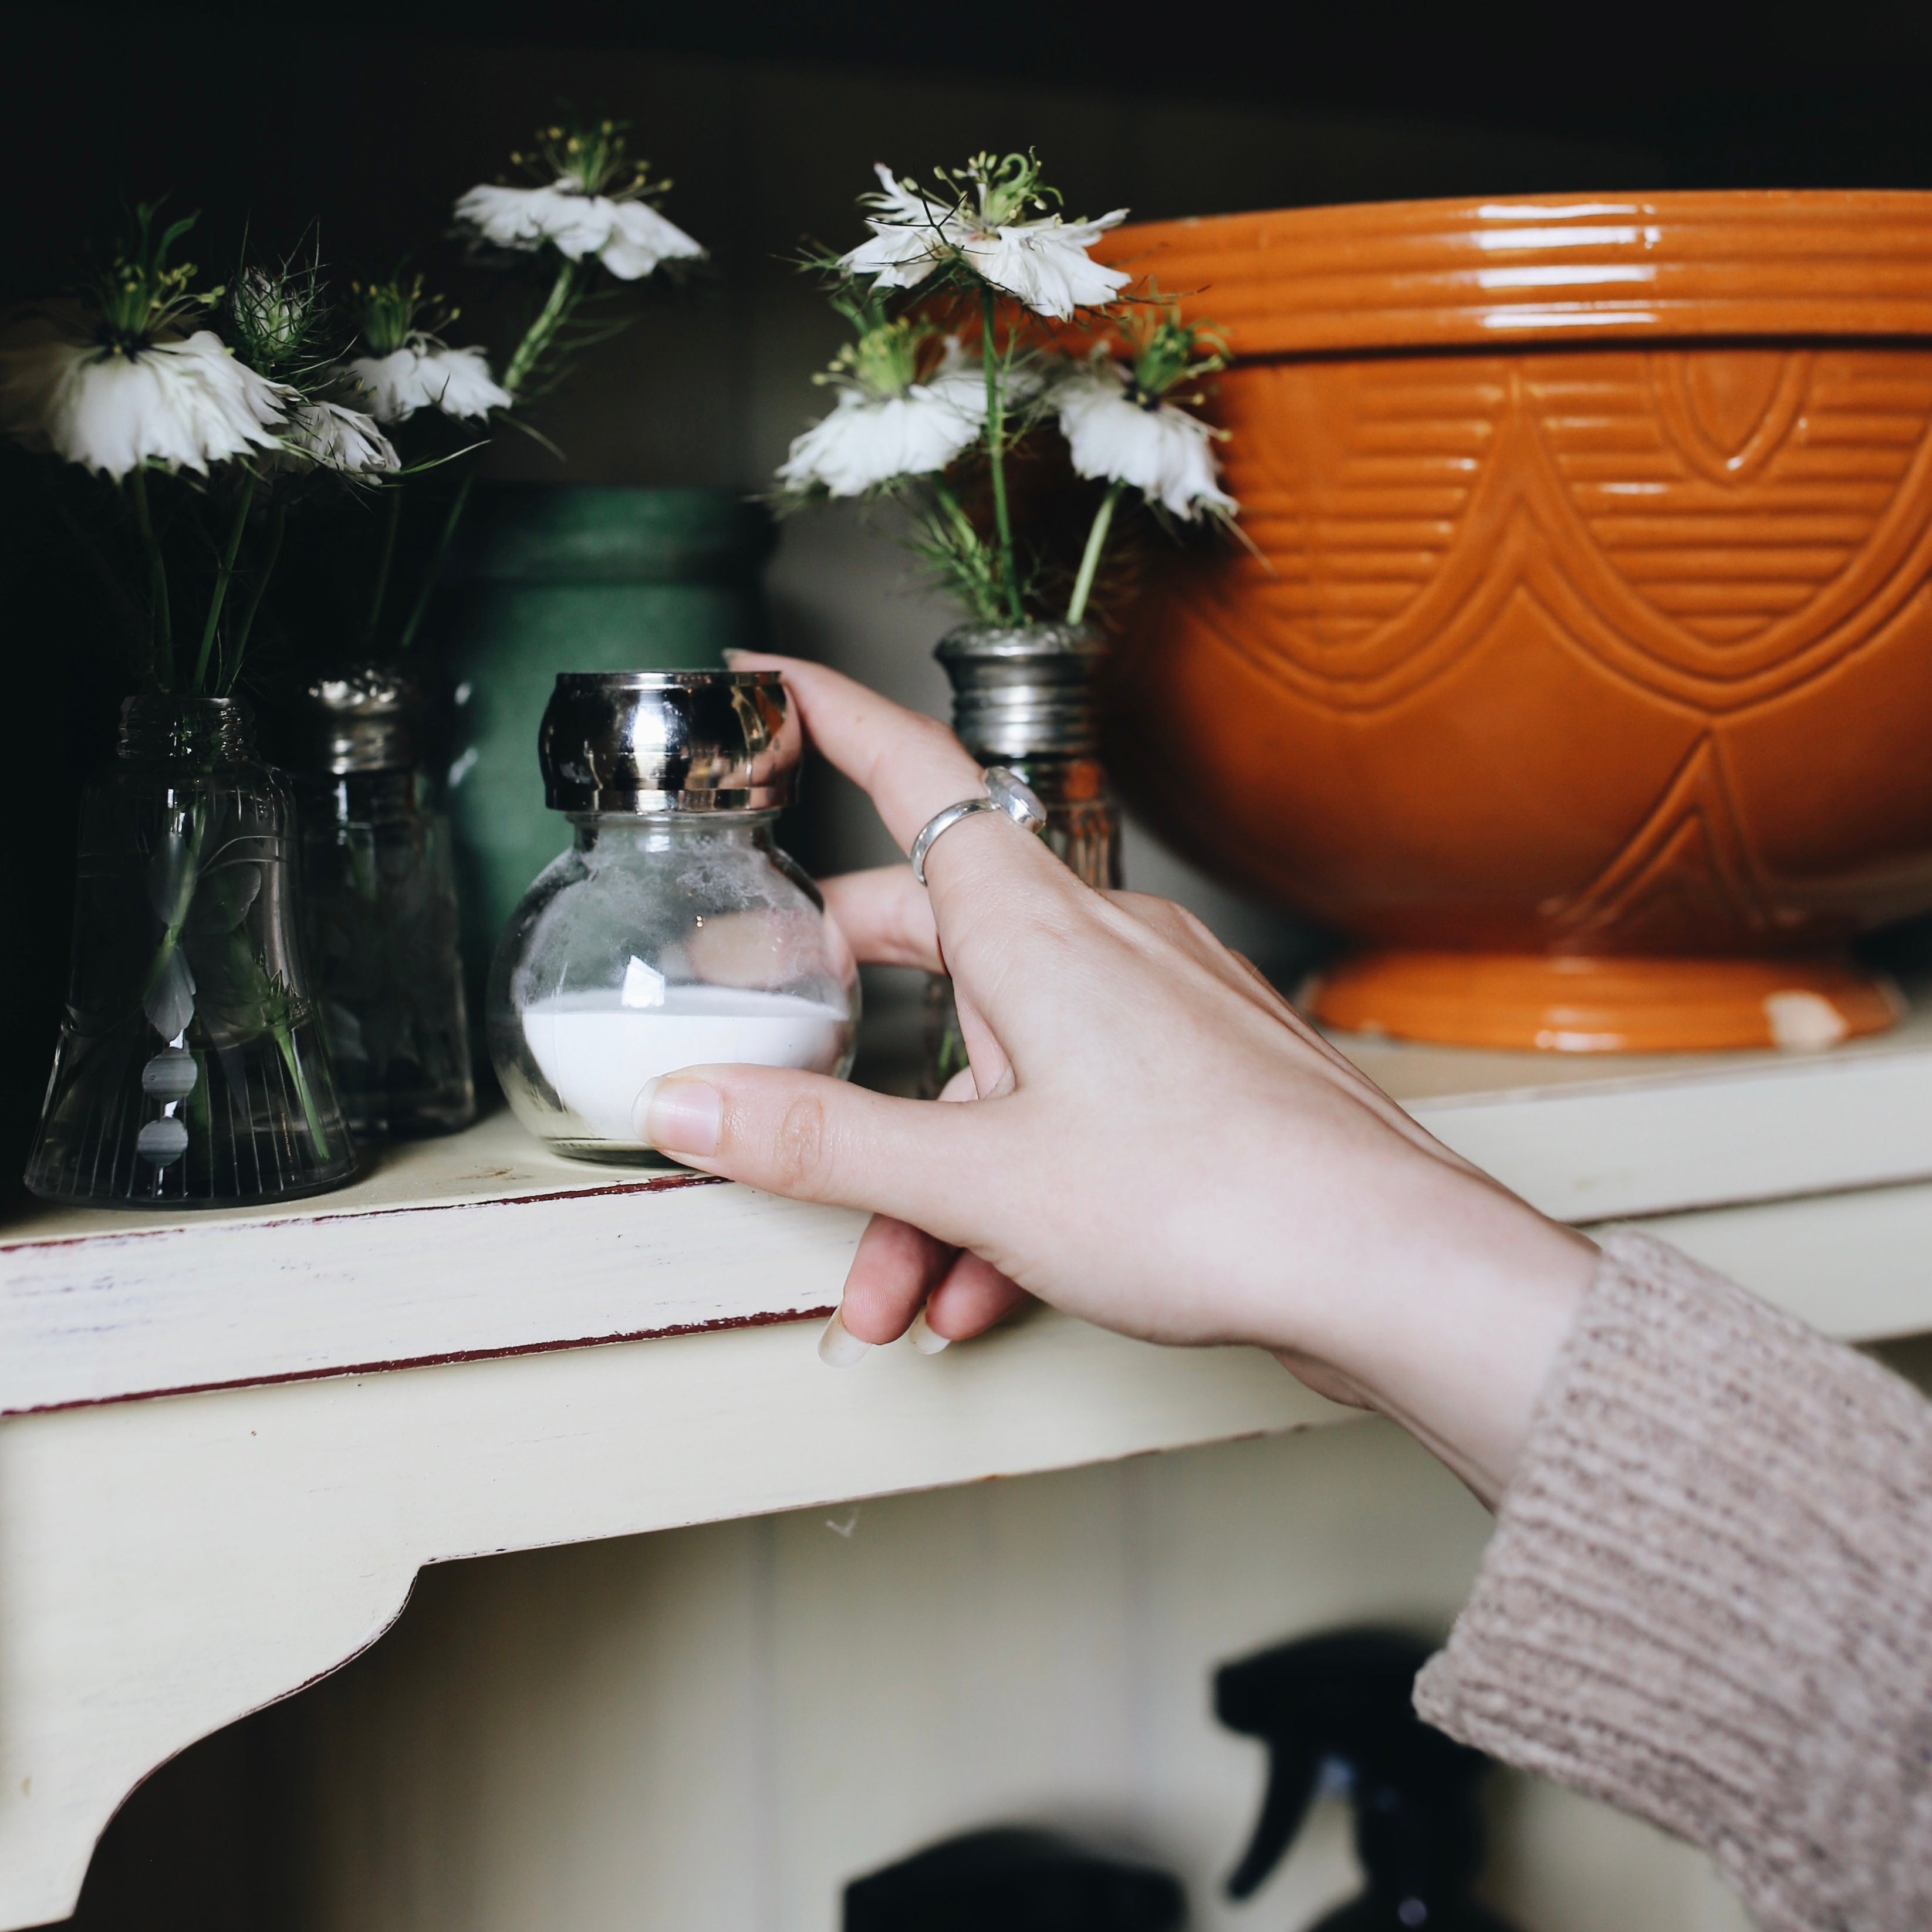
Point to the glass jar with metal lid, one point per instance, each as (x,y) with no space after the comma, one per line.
(674,932)
(379,890)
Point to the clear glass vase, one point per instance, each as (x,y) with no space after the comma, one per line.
(378,895)
(190,1072)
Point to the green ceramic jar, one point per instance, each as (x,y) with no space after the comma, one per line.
(573,577)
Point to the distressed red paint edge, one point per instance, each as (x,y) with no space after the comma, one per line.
(771,1318)
(664,1183)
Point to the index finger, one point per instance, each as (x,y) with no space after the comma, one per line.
(909,764)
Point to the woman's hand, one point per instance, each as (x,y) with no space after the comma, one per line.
(1154,1139)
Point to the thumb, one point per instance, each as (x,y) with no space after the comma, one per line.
(811,1138)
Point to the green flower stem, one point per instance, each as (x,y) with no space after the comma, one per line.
(161,636)
(190,878)
(996,451)
(1089,558)
(223,577)
(537,338)
(285,1040)
(392,524)
(974,568)
(278,523)
(427,589)
(199,1109)
(554,313)
(954,510)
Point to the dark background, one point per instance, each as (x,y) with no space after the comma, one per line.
(368,118)
(1791,93)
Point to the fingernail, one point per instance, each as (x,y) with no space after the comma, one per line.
(923,1339)
(679,1116)
(838,1347)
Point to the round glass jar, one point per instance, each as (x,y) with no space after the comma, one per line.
(674,932)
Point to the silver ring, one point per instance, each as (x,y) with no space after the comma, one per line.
(1006,792)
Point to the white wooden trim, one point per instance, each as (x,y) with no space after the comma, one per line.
(1856,1266)
(167,1566)
(1662,1144)
(108,1316)
(486,1244)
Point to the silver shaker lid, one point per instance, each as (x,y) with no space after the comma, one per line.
(654,741)
(1023,690)
(363,720)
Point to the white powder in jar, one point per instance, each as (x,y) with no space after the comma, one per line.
(597,1053)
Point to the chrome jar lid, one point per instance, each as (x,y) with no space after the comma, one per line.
(653,741)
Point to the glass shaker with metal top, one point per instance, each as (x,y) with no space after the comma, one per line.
(379,887)
(1023,697)
(674,932)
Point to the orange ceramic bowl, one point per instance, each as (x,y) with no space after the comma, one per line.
(1584,675)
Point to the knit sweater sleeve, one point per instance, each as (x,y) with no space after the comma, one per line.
(1708,1597)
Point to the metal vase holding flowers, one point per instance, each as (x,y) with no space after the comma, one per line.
(1024,696)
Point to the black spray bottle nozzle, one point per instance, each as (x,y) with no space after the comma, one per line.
(1012,1878)
(1335,1709)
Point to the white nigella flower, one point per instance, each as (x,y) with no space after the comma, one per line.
(640,237)
(629,236)
(425,374)
(1044,262)
(183,402)
(886,423)
(912,234)
(330,437)
(1117,432)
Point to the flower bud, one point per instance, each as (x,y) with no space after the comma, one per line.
(269,317)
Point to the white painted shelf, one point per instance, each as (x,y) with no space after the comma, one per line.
(482,1244)
(479,1347)
(1806,1177)
(487,1244)
(1593,1138)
